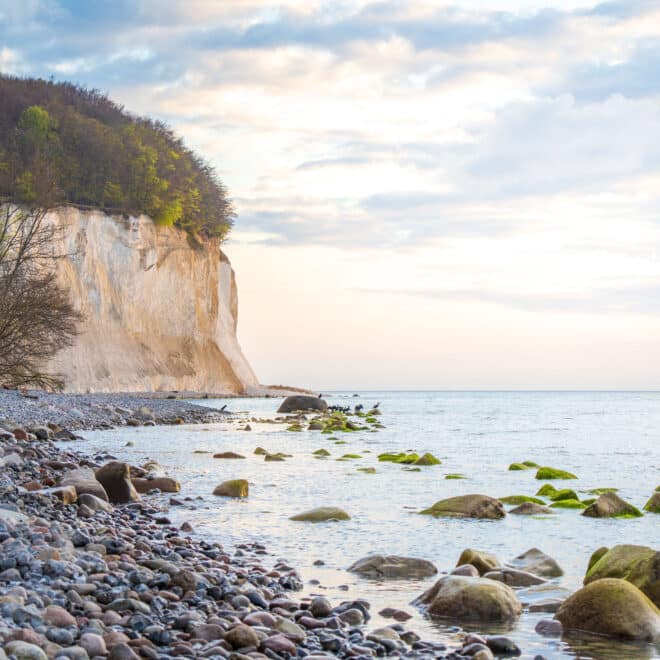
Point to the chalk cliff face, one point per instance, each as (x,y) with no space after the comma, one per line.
(158,314)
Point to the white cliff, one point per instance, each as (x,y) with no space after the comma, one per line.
(159,315)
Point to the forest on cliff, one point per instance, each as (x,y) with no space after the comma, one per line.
(64,144)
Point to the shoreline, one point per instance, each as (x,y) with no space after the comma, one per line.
(84,578)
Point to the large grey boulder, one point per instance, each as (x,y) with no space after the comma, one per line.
(463,598)
(393,566)
(302,402)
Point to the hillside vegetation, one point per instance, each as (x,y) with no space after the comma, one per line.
(63,144)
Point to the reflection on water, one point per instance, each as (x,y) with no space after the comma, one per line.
(607,439)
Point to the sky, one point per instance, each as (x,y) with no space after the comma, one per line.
(430,195)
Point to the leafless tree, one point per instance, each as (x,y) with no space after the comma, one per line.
(37,319)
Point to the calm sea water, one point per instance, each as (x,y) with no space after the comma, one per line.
(607,439)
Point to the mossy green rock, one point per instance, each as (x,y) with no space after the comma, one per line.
(553,473)
(520,499)
(610,505)
(367,470)
(427,459)
(596,556)
(638,564)
(467,506)
(351,456)
(600,491)
(611,607)
(232,488)
(403,458)
(322,514)
(260,451)
(518,467)
(653,505)
(321,452)
(462,598)
(455,476)
(546,490)
(482,561)
(563,494)
(568,504)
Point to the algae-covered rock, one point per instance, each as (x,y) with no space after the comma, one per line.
(546,490)
(351,457)
(455,475)
(402,458)
(611,607)
(638,564)
(600,491)
(520,499)
(260,451)
(322,514)
(653,505)
(468,506)
(525,465)
(553,473)
(464,598)
(596,555)
(232,488)
(228,455)
(367,470)
(321,452)
(537,562)
(482,561)
(392,566)
(568,504)
(300,403)
(531,509)
(563,494)
(427,459)
(315,425)
(610,505)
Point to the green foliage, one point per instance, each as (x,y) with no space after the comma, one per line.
(63,144)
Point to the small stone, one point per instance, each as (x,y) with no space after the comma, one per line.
(242,636)
(59,617)
(320,607)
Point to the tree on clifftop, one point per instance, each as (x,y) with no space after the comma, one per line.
(37,318)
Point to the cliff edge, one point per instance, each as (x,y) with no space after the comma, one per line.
(159,315)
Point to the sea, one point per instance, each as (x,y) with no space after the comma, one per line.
(607,439)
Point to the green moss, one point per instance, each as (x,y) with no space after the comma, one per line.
(531,464)
(653,505)
(367,470)
(351,456)
(563,494)
(341,442)
(520,499)
(553,473)
(260,451)
(518,466)
(600,491)
(321,452)
(406,459)
(589,501)
(568,504)
(294,427)
(546,490)
(595,557)
(455,476)
(412,469)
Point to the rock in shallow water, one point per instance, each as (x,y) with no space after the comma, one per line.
(393,566)
(471,599)
(468,506)
(611,607)
(537,562)
(322,514)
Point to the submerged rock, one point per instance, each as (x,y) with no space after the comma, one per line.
(322,514)
(637,564)
(470,599)
(392,566)
(163,484)
(611,607)
(468,506)
(228,454)
(520,499)
(514,578)
(610,505)
(531,509)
